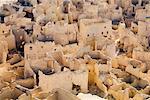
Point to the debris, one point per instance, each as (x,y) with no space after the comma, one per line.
(75,49)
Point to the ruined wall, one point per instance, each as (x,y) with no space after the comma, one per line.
(65,80)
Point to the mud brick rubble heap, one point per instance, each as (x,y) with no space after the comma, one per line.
(55,49)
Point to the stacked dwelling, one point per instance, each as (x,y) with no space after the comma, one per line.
(57,49)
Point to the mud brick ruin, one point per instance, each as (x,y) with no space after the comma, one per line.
(57,49)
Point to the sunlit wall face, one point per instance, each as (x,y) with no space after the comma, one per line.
(6,2)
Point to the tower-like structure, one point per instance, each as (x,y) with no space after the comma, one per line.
(112,2)
(140,2)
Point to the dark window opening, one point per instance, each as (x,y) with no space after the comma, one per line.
(115,22)
(145,71)
(117,7)
(2,18)
(30,48)
(121,50)
(29,15)
(134,66)
(37,78)
(73,42)
(107,1)
(38,1)
(133,15)
(22,27)
(29,31)
(76,87)
(62,68)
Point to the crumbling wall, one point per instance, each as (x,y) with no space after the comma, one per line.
(64,80)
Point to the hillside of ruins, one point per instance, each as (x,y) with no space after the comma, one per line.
(75,50)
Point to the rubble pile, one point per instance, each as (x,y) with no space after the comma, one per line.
(57,49)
